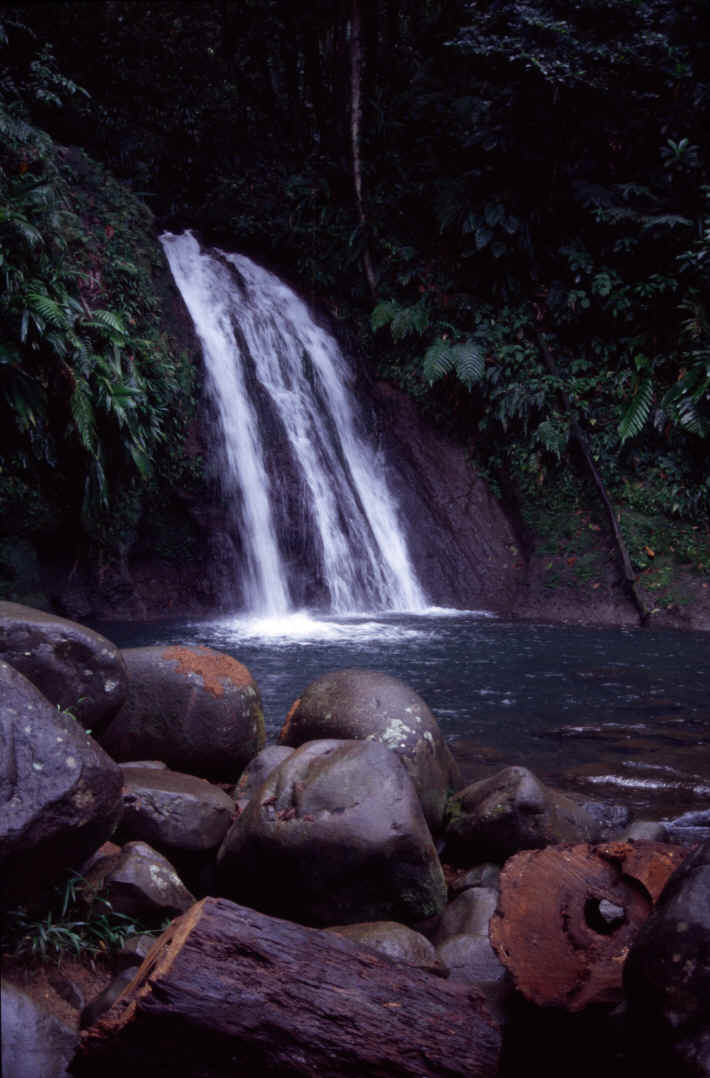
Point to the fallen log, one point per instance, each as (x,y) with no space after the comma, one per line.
(227,990)
(568,915)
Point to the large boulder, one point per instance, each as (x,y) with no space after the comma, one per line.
(174,812)
(336,834)
(35,1044)
(511,811)
(60,794)
(368,705)
(197,709)
(257,771)
(667,973)
(72,666)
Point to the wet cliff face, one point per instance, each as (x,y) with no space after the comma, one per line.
(462,544)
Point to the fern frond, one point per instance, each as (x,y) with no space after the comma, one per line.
(82,411)
(438,361)
(107,320)
(468,362)
(637,413)
(409,320)
(383,314)
(48,309)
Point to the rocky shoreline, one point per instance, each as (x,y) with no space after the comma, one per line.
(326,884)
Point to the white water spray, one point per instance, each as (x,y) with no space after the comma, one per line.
(280,386)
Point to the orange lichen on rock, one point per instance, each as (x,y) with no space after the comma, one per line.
(291,712)
(212,666)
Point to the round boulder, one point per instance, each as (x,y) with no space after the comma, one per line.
(60,794)
(369,706)
(257,771)
(511,811)
(336,834)
(396,941)
(197,709)
(667,972)
(72,666)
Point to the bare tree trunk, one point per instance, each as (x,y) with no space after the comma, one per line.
(355,124)
(228,991)
(629,576)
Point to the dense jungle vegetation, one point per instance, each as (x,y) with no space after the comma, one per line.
(505,205)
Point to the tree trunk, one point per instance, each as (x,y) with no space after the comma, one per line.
(629,576)
(355,122)
(568,915)
(227,990)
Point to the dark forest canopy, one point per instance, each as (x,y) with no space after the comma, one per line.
(505,203)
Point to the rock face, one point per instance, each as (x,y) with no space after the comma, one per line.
(667,973)
(60,794)
(197,709)
(512,811)
(335,835)
(367,705)
(464,548)
(72,666)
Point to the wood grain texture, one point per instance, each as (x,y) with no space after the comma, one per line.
(227,990)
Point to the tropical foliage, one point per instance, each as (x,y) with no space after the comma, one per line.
(526,186)
(90,385)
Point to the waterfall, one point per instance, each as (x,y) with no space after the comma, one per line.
(313,510)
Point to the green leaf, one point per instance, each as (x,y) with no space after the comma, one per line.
(638,411)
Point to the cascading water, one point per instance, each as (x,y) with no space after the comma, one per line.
(280,387)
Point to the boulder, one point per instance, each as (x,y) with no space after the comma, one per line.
(336,834)
(174,812)
(667,973)
(484,875)
(469,914)
(257,771)
(367,705)
(511,811)
(35,1044)
(74,667)
(60,794)
(194,708)
(141,884)
(396,941)
(471,958)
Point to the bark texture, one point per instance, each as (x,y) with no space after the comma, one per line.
(227,990)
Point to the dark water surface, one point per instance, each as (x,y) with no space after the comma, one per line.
(620,715)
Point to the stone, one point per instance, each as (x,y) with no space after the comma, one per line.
(483,875)
(469,913)
(196,709)
(174,812)
(398,942)
(74,667)
(60,793)
(471,958)
(511,811)
(368,705)
(35,1044)
(144,886)
(257,771)
(667,972)
(335,835)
